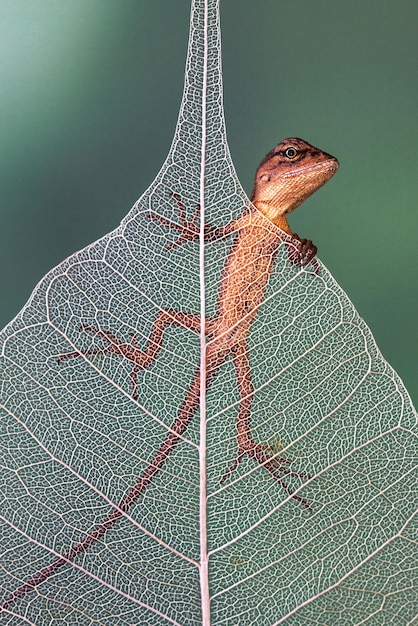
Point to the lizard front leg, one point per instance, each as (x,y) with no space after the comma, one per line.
(189,229)
(246,445)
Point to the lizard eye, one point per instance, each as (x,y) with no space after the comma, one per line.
(291,153)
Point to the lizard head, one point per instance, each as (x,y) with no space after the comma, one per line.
(289,174)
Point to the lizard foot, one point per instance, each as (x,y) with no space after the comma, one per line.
(188,229)
(72,355)
(302,252)
(114,346)
(191,229)
(260,453)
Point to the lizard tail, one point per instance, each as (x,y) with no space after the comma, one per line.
(180,424)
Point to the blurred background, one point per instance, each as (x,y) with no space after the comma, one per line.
(90,95)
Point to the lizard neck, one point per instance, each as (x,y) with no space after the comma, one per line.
(272,213)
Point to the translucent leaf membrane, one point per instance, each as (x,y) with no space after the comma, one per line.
(74,440)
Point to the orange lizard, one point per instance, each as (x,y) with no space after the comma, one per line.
(288,174)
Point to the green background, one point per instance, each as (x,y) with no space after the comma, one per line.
(90,94)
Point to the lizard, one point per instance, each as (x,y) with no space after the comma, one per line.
(287,175)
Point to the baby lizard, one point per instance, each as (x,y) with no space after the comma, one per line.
(288,174)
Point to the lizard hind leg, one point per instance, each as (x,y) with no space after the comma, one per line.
(246,445)
(107,336)
(141,359)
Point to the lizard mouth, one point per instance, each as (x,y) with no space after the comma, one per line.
(329,164)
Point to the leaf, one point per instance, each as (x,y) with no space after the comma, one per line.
(190,550)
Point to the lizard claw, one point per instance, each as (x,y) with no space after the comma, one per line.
(271,464)
(302,252)
(231,469)
(188,229)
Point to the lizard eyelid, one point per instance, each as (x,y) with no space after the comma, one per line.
(290,152)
